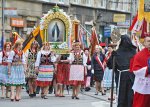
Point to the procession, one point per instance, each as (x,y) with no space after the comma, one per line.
(60,59)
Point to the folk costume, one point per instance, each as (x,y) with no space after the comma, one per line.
(107,79)
(63,68)
(4,67)
(31,58)
(4,77)
(62,74)
(79,60)
(45,63)
(17,60)
(31,74)
(141,86)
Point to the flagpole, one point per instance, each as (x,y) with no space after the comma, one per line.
(85,30)
(3,29)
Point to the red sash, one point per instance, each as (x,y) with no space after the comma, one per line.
(99,62)
(106,59)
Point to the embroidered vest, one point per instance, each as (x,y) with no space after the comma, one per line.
(78,59)
(17,58)
(4,58)
(32,56)
(45,59)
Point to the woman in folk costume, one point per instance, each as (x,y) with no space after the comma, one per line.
(107,79)
(16,70)
(31,75)
(78,62)
(89,74)
(98,68)
(63,68)
(44,65)
(4,68)
(124,79)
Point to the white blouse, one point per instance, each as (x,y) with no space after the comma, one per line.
(1,56)
(71,58)
(37,62)
(11,56)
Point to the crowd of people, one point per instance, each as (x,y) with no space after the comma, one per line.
(43,69)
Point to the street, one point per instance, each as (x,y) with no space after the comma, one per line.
(87,99)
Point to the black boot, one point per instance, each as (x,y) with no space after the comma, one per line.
(34,94)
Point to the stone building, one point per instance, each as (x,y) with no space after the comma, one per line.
(23,15)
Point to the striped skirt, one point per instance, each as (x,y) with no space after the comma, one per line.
(45,75)
(17,76)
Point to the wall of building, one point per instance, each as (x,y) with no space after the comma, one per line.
(27,11)
(87,11)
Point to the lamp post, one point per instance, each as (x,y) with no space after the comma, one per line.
(3,29)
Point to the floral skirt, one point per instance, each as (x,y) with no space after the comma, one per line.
(31,71)
(45,75)
(17,76)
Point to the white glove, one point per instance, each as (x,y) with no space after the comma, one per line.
(92,71)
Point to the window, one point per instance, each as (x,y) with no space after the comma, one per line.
(76,1)
(124,5)
(89,2)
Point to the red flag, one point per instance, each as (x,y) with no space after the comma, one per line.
(133,22)
(94,40)
(144,29)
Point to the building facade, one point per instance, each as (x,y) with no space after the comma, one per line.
(23,15)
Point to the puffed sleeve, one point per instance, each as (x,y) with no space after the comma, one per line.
(53,58)
(26,54)
(37,62)
(84,59)
(10,57)
(71,57)
(23,58)
(1,55)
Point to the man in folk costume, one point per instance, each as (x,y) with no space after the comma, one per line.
(124,79)
(78,62)
(98,68)
(141,68)
(44,65)
(31,75)
(4,68)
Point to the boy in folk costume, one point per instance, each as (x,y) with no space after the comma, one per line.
(140,65)
(16,70)
(78,62)
(4,68)
(31,75)
(44,65)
